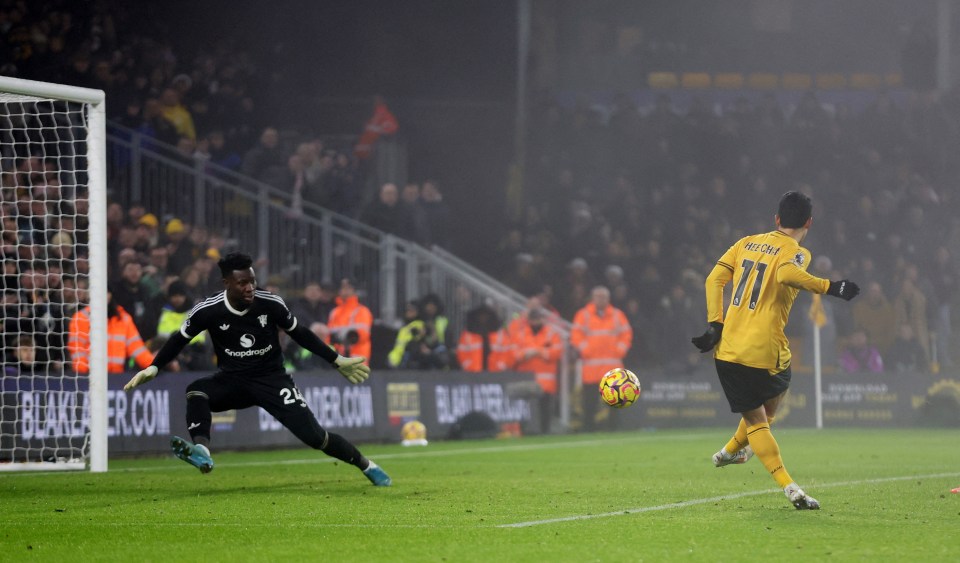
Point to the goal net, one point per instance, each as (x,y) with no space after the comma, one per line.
(53,220)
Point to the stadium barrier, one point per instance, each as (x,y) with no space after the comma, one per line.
(884,400)
(142,421)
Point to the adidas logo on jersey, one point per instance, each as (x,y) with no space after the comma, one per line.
(224,326)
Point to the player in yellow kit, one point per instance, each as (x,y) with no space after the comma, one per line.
(752,352)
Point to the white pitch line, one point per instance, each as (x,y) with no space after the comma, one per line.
(694,502)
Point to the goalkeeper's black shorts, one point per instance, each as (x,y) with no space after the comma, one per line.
(747,388)
(276,393)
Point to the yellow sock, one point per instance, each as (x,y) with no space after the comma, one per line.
(739,440)
(766,448)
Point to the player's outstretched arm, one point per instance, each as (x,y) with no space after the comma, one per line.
(168,352)
(351,368)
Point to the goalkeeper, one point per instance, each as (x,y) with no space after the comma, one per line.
(242,322)
(752,353)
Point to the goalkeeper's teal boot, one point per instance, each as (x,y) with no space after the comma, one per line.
(377,475)
(196,455)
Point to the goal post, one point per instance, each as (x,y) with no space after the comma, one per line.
(62,130)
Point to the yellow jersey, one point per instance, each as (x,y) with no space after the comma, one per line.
(768,270)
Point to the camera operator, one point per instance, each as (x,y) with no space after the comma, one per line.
(421,343)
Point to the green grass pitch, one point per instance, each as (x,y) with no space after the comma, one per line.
(630,496)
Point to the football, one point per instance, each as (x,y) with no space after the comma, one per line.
(619,388)
(414,433)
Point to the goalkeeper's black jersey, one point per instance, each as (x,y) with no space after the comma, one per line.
(246,342)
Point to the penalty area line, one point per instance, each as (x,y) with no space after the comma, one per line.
(734,496)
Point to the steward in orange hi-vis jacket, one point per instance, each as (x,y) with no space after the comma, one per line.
(602,336)
(483,344)
(350,324)
(123,341)
(537,348)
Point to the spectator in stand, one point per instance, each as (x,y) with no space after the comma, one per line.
(263,161)
(943,278)
(381,124)
(37,313)
(384,213)
(220,152)
(134,296)
(615,279)
(411,330)
(197,355)
(526,277)
(910,308)
(438,215)
(194,282)
(341,184)
(313,167)
(577,282)
(124,343)
(174,111)
(875,315)
(431,351)
(859,356)
(76,292)
(147,234)
(178,244)
(677,316)
(601,336)
(537,348)
(155,126)
(318,300)
(413,219)
(906,354)
(24,357)
(484,345)
(350,323)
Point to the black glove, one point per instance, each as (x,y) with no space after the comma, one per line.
(844,289)
(709,339)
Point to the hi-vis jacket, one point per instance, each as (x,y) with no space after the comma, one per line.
(470,351)
(349,315)
(123,342)
(547,345)
(601,339)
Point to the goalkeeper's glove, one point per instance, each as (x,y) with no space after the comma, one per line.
(706,341)
(844,289)
(352,368)
(143,376)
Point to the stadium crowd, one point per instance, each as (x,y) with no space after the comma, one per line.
(645,201)
(202,99)
(639,201)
